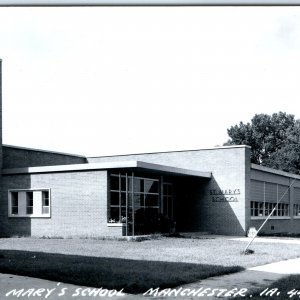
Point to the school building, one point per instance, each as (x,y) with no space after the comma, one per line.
(218,190)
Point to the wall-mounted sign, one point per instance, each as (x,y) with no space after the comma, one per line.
(228,195)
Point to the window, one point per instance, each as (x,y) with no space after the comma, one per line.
(45,202)
(267,197)
(296,212)
(264,209)
(14,203)
(141,194)
(296,208)
(29,203)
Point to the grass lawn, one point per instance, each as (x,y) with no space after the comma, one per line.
(135,276)
(163,262)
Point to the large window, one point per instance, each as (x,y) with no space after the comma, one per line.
(138,194)
(266,196)
(296,208)
(29,203)
(264,209)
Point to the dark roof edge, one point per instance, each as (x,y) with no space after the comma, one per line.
(41,150)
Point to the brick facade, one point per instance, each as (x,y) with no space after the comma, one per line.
(231,171)
(78,205)
(79,198)
(17,157)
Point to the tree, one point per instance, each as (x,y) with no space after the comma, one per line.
(274,140)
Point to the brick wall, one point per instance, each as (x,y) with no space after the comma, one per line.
(19,158)
(78,205)
(231,171)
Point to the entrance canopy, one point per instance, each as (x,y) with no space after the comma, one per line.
(133,164)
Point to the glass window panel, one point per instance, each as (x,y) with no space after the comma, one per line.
(45,197)
(138,200)
(137,183)
(14,210)
(123,198)
(275,213)
(151,200)
(29,203)
(114,182)
(261,209)
(114,214)
(114,198)
(123,183)
(151,186)
(123,214)
(14,199)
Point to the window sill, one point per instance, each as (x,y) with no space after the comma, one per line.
(29,216)
(272,218)
(116,224)
(296,217)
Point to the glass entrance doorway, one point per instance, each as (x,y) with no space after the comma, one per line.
(143,204)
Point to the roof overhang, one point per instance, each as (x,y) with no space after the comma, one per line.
(131,164)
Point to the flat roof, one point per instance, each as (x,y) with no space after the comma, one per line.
(174,151)
(140,165)
(274,171)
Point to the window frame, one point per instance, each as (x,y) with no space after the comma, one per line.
(260,209)
(268,206)
(23,212)
(141,193)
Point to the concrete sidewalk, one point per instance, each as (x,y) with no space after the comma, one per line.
(243,283)
(253,280)
(50,290)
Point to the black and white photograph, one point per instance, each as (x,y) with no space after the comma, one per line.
(149,151)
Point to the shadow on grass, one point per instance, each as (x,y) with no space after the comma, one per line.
(135,276)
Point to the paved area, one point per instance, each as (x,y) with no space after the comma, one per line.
(21,287)
(295,241)
(291,266)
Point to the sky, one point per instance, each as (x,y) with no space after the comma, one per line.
(115,80)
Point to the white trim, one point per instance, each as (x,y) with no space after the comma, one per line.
(272,218)
(106,166)
(116,224)
(173,151)
(22,213)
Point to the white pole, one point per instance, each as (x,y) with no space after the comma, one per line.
(269,216)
